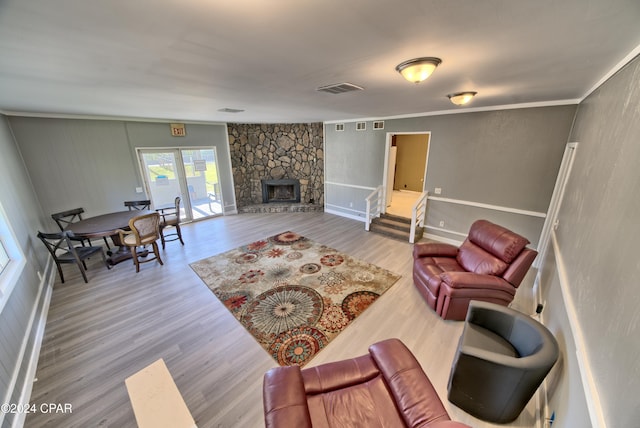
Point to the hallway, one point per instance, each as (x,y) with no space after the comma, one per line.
(401,203)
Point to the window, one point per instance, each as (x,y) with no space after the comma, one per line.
(12,260)
(4,258)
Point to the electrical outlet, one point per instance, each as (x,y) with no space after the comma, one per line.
(138,189)
(437,190)
(441,223)
(350,204)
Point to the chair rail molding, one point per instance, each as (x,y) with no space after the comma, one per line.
(355,186)
(488,206)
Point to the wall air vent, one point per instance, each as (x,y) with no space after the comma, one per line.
(230,110)
(339,126)
(339,88)
(378,124)
(361,126)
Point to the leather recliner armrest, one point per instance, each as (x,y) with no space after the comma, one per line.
(434,250)
(284,398)
(475,280)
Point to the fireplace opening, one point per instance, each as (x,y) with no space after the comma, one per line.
(281,190)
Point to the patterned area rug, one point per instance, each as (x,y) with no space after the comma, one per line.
(292,294)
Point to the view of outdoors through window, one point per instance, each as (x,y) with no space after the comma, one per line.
(196,180)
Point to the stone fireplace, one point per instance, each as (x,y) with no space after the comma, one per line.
(280,190)
(276,153)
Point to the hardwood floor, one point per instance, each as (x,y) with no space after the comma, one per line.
(100,333)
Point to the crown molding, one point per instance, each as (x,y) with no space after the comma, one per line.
(465,110)
(98,117)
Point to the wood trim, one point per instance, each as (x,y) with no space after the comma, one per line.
(488,206)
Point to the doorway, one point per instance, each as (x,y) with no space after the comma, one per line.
(405,171)
(190,173)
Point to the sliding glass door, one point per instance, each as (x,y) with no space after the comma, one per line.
(191,174)
(203,185)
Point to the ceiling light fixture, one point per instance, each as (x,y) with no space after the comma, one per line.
(461,98)
(418,69)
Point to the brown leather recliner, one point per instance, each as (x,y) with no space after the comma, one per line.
(386,388)
(488,266)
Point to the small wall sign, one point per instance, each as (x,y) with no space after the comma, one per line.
(178,130)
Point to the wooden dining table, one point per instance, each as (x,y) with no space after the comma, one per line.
(107,225)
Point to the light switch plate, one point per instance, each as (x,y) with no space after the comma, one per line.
(138,189)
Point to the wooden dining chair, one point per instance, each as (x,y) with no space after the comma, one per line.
(170,217)
(61,248)
(142,205)
(65,218)
(145,230)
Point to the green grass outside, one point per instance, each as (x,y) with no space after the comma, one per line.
(211,174)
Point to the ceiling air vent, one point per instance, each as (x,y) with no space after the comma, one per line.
(339,88)
(339,126)
(230,110)
(378,124)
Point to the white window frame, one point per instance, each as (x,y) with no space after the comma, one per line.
(4,257)
(17,261)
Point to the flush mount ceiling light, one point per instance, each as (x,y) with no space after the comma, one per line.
(461,98)
(418,69)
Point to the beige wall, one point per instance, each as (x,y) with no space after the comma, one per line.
(410,161)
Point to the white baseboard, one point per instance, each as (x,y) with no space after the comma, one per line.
(584,366)
(39,318)
(343,214)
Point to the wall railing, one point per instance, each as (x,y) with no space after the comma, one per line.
(418,215)
(375,206)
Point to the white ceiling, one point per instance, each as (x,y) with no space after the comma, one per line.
(186,59)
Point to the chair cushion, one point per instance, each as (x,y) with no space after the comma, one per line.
(497,240)
(130,240)
(169,222)
(475,259)
(368,404)
(478,337)
(354,392)
(428,270)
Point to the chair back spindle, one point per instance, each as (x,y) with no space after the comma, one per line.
(141,205)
